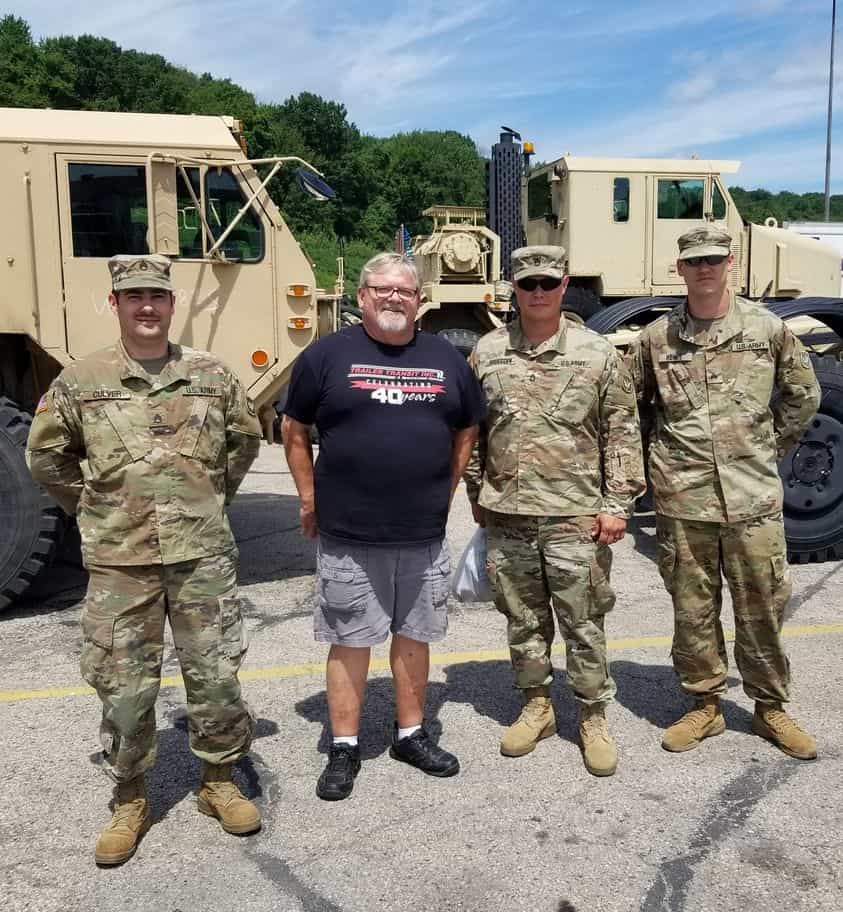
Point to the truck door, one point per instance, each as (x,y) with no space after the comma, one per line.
(226,307)
(678,205)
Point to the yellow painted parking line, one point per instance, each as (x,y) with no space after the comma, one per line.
(308,669)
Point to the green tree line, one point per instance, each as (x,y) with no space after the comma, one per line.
(381,183)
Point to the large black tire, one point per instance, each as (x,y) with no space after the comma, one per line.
(31,524)
(616,315)
(583,302)
(463,340)
(812,476)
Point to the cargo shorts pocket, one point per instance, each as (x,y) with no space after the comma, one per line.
(439,576)
(341,584)
(232,637)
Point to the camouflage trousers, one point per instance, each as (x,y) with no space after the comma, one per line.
(123,648)
(752,556)
(539,563)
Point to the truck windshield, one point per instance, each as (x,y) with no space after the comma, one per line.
(223,200)
(539,199)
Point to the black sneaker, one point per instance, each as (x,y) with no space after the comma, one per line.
(337,779)
(419,751)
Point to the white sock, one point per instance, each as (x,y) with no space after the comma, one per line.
(346,739)
(406,732)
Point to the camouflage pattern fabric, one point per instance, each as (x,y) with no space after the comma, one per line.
(146,462)
(753,559)
(123,629)
(561,437)
(541,562)
(704,397)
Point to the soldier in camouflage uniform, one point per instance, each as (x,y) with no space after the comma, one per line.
(554,478)
(704,376)
(146,442)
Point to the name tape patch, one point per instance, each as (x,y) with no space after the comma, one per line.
(94,395)
(673,357)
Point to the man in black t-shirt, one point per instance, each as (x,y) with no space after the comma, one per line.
(397,413)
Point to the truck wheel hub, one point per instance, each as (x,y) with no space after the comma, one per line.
(812,474)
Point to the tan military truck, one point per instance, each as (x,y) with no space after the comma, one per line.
(459,265)
(80,186)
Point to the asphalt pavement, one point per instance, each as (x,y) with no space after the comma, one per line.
(734,826)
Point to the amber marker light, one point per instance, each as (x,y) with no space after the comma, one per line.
(298,291)
(529,148)
(260,359)
(299,322)
(487,298)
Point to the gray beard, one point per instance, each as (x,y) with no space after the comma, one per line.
(392,321)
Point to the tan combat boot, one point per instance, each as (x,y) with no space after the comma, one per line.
(118,841)
(219,797)
(773,723)
(537,721)
(703,721)
(599,751)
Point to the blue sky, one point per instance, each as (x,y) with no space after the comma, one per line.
(735,80)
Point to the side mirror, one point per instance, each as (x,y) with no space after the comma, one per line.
(314,186)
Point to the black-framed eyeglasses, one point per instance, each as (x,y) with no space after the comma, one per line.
(713,259)
(385,291)
(546,283)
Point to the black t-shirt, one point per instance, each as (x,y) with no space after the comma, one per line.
(385,416)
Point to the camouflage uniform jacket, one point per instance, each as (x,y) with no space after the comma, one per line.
(714,433)
(561,436)
(146,462)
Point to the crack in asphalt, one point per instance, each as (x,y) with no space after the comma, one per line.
(732,806)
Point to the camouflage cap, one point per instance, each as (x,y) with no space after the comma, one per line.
(704,241)
(130,271)
(538,261)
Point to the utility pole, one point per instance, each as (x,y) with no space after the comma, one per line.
(830,98)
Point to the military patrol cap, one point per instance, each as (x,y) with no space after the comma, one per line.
(704,241)
(130,271)
(538,261)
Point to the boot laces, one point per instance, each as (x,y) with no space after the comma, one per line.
(594,726)
(126,813)
(698,718)
(779,720)
(225,791)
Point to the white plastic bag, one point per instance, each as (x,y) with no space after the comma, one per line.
(471,582)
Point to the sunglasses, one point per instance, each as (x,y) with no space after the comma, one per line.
(546,283)
(713,259)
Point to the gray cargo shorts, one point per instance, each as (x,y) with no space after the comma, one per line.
(365,592)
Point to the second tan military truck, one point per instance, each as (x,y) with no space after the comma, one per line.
(80,186)
(618,220)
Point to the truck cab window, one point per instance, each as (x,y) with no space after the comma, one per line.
(718,203)
(223,200)
(620,200)
(681,199)
(107,209)
(539,198)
